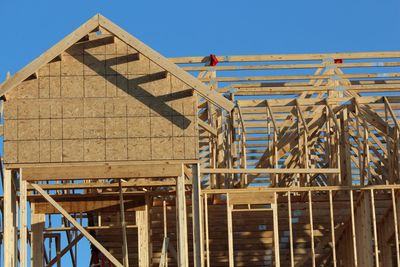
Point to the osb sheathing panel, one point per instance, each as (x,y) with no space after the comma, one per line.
(102,102)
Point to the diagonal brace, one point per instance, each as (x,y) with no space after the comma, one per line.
(77,225)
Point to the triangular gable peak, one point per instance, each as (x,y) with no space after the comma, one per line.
(92,25)
(101,96)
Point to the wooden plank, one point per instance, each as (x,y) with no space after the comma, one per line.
(206,230)
(332,223)
(10,220)
(37,226)
(101,185)
(353,229)
(274,206)
(374,227)
(207,127)
(270,171)
(396,226)
(65,250)
(363,226)
(164,250)
(181,222)
(99,246)
(198,246)
(101,172)
(23,222)
(89,203)
(142,221)
(288,57)
(251,198)
(310,210)
(290,229)
(231,259)
(123,227)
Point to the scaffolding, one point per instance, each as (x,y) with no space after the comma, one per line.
(254,160)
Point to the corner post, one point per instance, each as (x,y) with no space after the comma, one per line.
(10,220)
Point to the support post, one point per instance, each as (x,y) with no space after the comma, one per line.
(10,221)
(198,248)
(231,257)
(125,254)
(363,225)
(276,230)
(353,229)
(181,223)
(332,221)
(142,222)
(37,226)
(23,221)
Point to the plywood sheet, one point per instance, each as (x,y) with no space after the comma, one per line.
(116,149)
(101,102)
(94,150)
(139,149)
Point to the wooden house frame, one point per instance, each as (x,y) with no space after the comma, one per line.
(297,166)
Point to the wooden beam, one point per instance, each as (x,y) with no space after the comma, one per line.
(65,250)
(198,246)
(125,252)
(181,223)
(374,227)
(23,221)
(310,210)
(206,229)
(89,203)
(275,215)
(104,185)
(396,226)
(101,172)
(287,57)
(96,243)
(268,171)
(290,219)
(363,226)
(10,220)
(332,223)
(353,229)
(207,127)
(142,222)
(37,226)
(229,207)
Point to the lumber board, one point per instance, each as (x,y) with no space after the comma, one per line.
(100,172)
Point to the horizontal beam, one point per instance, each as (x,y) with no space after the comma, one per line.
(101,172)
(289,66)
(97,185)
(272,171)
(75,203)
(257,189)
(286,57)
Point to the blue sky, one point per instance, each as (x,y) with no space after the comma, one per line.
(222,27)
(181,28)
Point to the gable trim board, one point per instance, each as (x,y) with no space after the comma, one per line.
(100,21)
